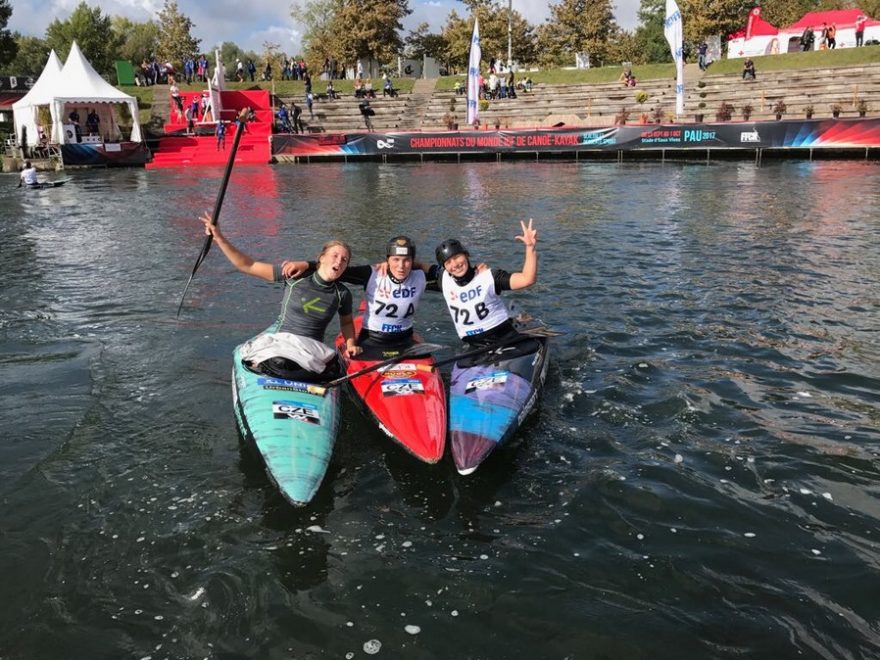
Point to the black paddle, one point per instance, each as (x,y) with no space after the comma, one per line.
(215,215)
(524,334)
(415,349)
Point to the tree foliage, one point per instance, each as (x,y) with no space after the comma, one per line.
(229,52)
(8,44)
(493,35)
(369,28)
(92,31)
(421,42)
(703,18)
(317,19)
(650,41)
(137,40)
(176,42)
(580,26)
(30,58)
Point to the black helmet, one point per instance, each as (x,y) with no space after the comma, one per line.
(448,249)
(401,246)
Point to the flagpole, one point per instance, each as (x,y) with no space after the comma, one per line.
(473,84)
(673,31)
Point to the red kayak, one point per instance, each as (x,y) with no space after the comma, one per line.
(407,398)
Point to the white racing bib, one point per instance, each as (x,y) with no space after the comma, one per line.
(474,307)
(391,306)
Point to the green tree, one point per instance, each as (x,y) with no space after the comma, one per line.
(137,40)
(369,28)
(319,40)
(421,43)
(493,35)
(703,18)
(92,31)
(176,42)
(579,26)
(8,44)
(650,41)
(30,58)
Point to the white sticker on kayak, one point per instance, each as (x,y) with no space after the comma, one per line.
(301,412)
(402,386)
(486,382)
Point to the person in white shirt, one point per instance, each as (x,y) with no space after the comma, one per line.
(28,175)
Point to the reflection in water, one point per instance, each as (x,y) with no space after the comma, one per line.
(704,454)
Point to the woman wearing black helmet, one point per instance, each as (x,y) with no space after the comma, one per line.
(392,293)
(473,295)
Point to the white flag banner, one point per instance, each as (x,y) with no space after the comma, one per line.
(473,81)
(673,31)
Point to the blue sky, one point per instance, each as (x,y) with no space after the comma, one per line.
(253,22)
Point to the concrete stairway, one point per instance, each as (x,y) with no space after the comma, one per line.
(417,103)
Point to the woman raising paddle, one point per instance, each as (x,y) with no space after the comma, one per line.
(293,347)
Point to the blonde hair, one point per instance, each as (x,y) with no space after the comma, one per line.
(332,244)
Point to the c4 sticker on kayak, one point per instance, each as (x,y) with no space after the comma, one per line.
(402,386)
(301,412)
(485,382)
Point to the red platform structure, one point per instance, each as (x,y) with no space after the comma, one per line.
(177,149)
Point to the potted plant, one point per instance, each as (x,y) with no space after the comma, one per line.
(862,107)
(621,117)
(484,105)
(449,121)
(747,111)
(724,112)
(808,110)
(658,115)
(779,109)
(698,117)
(835,110)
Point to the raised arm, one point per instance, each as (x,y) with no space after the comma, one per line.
(236,257)
(529,274)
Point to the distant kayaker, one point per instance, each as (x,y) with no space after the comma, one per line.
(392,291)
(473,295)
(28,175)
(309,304)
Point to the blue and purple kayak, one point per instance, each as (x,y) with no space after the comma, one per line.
(292,424)
(488,400)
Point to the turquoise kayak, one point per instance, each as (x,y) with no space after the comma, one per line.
(292,424)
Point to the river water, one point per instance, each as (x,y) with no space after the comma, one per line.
(701,479)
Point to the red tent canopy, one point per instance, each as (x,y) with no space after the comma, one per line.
(840,18)
(760,28)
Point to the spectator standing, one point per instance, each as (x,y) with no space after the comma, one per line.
(297,122)
(310,100)
(307,81)
(239,70)
(92,122)
(267,73)
(360,70)
(189,70)
(251,69)
(860,30)
(221,135)
(807,39)
(701,55)
(174,91)
(202,68)
(74,119)
(283,118)
(831,37)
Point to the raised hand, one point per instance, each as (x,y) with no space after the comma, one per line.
(529,236)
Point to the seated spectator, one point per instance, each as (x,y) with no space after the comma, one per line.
(748,69)
(284,119)
(459,87)
(525,84)
(359,89)
(388,88)
(331,91)
(628,78)
(368,89)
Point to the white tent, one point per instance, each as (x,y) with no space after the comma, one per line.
(24,110)
(76,87)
